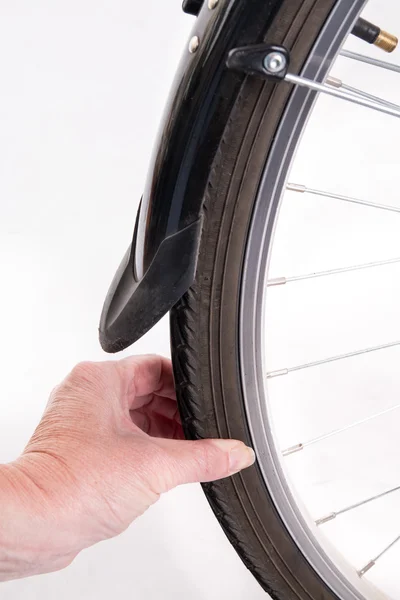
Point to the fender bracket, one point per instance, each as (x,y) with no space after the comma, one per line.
(267,60)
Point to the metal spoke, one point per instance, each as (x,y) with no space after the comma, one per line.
(338,83)
(326,89)
(283,280)
(295,187)
(373,562)
(371,61)
(324,361)
(301,446)
(342,511)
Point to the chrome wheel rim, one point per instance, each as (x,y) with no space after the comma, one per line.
(343,580)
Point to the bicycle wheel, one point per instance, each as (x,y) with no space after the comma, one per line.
(217,328)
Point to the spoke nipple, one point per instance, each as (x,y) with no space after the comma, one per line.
(293,449)
(272,374)
(326,519)
(386,41)
(276,281)
(334,82)
(367,567)
(295,187)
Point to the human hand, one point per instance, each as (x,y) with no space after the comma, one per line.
(109,444)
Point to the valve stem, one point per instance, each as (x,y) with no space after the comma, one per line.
(386,41)
(372,34)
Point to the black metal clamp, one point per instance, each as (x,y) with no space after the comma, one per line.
(268,60)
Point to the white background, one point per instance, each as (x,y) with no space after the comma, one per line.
(83,85)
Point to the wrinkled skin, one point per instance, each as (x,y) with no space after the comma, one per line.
(109,444)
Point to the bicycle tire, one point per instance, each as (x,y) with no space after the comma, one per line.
(204,322)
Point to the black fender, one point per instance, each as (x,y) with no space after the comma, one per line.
(160,264)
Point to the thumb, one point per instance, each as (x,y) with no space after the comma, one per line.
(204,460)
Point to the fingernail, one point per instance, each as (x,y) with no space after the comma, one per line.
(240,457)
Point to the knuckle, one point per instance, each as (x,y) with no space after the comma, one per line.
(84,372)
(62,562)
(209,460)
(82,368)
(168,471)
(85,378)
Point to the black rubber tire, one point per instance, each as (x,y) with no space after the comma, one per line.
(204,324)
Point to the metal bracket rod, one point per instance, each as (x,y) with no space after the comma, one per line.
(272,62)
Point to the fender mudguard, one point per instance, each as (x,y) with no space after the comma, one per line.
(160,263)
